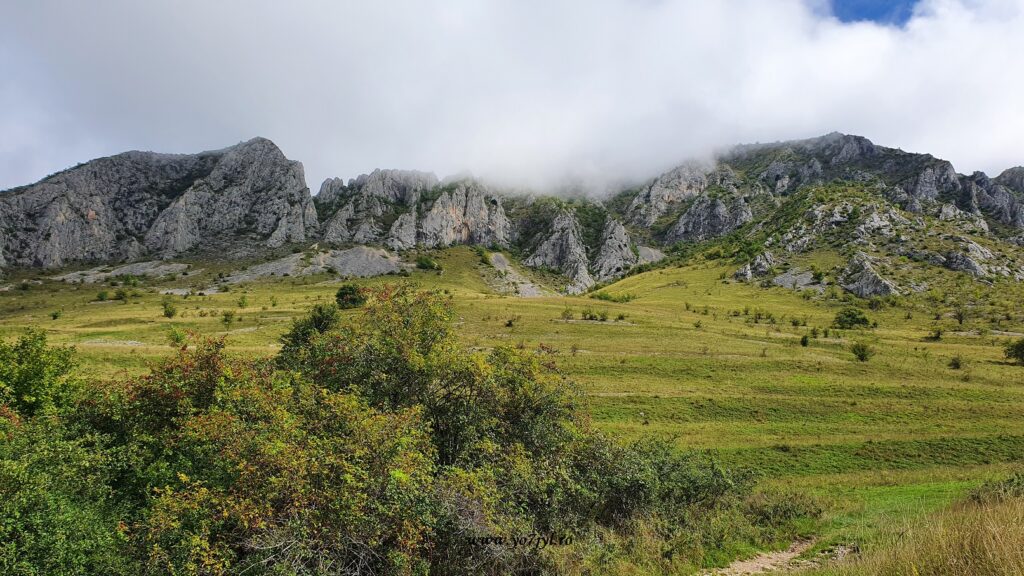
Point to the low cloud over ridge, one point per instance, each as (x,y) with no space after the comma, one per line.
(528,92)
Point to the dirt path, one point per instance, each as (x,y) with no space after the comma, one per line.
(766,562)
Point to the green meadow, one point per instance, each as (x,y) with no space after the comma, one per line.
(681,352)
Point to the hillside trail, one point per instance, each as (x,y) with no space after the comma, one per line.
(766,562)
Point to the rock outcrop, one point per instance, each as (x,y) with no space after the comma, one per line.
(137,203)
(359,261)
(466,215)
(616,255)
(684,182)
(709,218)
(463,213)
(151,269)
(860,278)
(403,232)
(761,265)
(837,192)
(563,250)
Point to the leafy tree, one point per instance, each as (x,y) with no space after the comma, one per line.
(34,376)
(349,296)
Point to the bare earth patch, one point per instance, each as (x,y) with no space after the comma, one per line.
(767,562)
(514,282)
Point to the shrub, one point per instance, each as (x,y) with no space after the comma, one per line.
(850,317)
(997,490)
(56,314)
(227,318)
(621,298)
(349,296)
(33,375)
(862,351)
(956,362)
(176,336)
(1015,351)
(805,340)
(386,447)
(170,310)
(102,295)
(321,318)
(424,262)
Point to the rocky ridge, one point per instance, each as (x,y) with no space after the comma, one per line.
(136,204)
(870,203)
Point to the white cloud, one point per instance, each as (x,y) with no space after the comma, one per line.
(527,91)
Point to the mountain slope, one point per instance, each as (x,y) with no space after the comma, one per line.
(878,208)
(140,203)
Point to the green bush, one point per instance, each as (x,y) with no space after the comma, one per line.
(424,262)
(170,310)
(1015,351)
(862,351)
(321,318)
(851,317)
(349,296)
(385,445)
(621,298)
(34,376)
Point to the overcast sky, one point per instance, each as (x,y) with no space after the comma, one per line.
(529,92)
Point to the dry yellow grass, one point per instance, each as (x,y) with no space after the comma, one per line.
(969,539)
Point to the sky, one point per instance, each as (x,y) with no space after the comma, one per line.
(528,93)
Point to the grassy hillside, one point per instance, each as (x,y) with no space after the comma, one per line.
(682,353)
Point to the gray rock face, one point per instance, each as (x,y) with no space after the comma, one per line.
(564,251)
(1002,197)
(961,262)
(935,181)
(403,232)
(881,223)
(648,255)
(122,207)
(395,186)
(359,261)
(709,218)
(675,186)
(797,280)
(616,256)
(360,207)
(152,269)
(860,278)
(467,215)
(761,265)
